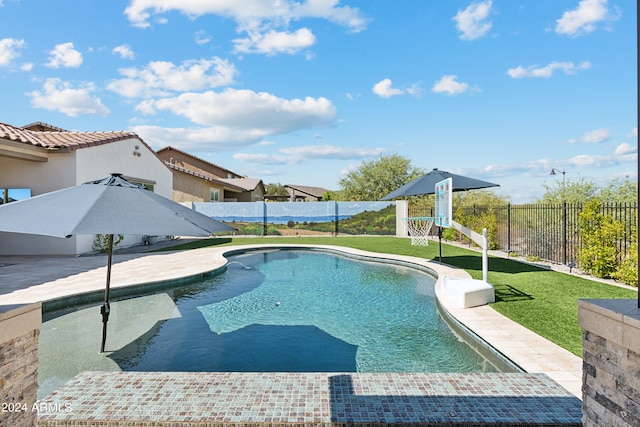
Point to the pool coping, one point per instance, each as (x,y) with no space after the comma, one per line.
(531,352)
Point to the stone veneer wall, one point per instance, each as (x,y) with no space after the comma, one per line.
(19,332)
(611,362)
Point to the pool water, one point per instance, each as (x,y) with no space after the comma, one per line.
(276,310)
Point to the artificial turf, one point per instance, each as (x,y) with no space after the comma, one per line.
(542,300)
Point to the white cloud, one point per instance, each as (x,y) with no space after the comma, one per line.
(264,159)
(263,112)
(449,85)
(294,155)
(139,11)
(9,50)
(57,95)
(473,22)
(201,37)
(64,55)
(625,148)
(197,138)
(160,77)
(602,161)
(593,137)
(548,70)
(384,89)
(234,118)
(266,22)
(623,153)
(273,42)
(634,132)
(584,18)
(124,51)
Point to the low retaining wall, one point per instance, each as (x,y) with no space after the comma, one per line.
(19,333)
(611,362)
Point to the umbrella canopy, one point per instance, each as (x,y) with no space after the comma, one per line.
(108,206)
(426,184)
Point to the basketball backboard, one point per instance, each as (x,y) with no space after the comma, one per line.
(443,200)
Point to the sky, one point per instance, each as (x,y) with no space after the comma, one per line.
(302,92)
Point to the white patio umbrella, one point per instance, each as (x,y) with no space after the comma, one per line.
(108,206)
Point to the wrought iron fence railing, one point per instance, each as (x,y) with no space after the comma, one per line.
(546,231)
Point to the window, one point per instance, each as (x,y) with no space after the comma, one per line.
(214,195)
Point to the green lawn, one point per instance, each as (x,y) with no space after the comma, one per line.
(542,300)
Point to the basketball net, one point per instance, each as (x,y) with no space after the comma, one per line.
(419,228)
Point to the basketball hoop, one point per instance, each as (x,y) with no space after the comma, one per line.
(419,228)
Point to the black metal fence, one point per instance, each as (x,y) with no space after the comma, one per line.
(549,232)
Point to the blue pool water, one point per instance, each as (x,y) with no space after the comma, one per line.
(276,310)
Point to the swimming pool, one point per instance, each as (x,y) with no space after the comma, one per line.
(272,310)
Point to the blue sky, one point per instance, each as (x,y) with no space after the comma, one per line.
(301,92)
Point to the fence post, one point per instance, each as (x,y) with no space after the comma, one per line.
(564,233)
(508,229)
(264,218)
(402,211)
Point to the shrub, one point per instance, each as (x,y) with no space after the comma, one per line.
(599,252)
(627,271)
(101,242)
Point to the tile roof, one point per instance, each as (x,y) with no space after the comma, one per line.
(312,191)
(13,133)
(75,140)
(171,148)
(42,126)
(248,184)
(62,140)
(209,178)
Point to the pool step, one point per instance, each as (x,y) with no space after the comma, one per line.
(252,399)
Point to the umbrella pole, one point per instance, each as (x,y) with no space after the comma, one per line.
(105,309)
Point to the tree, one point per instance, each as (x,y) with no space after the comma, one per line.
(275,190)
(377,178)
(583,191)
(571,191)
(620,191)
(332,195)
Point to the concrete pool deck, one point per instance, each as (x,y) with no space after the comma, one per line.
(30,279)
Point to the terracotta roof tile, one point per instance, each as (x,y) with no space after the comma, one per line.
(312,191)
(13,133)
(248,184)
(62,140)
(75,140)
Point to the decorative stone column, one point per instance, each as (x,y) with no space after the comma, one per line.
(19,333)
(611,362)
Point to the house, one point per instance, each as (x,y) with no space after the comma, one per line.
(197,180)
(39,158)
(302,193)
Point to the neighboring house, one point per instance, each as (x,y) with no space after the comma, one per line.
(302,193)
(197,180)
(39,158)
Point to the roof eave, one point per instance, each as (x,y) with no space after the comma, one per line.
(22,151)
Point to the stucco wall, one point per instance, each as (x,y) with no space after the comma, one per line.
(188,188)
(74,168)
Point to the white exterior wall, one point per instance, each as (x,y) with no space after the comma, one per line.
(117,157)
(74,168)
